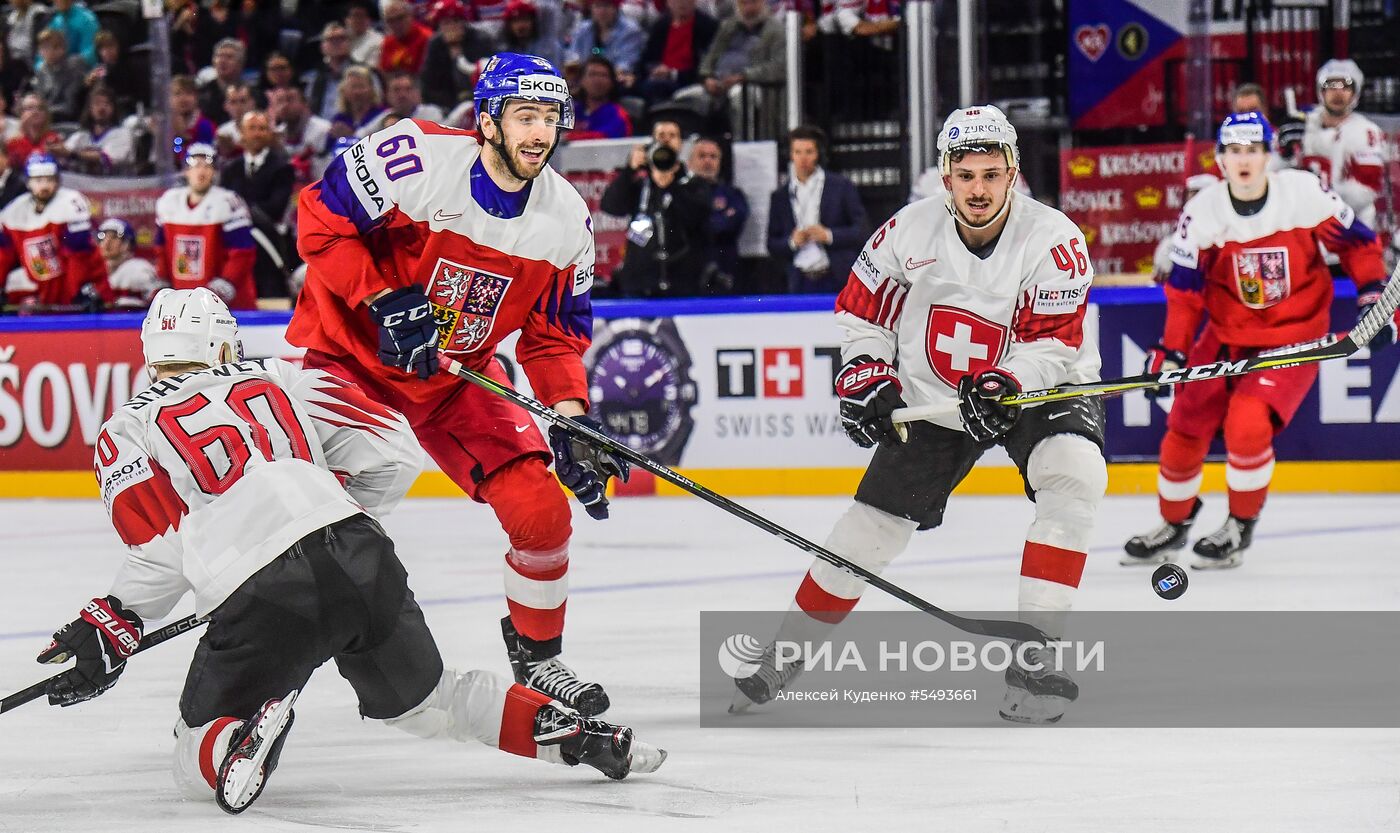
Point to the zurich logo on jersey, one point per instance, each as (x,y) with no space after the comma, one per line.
(953,133)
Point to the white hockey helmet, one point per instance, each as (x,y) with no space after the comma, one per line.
(190,326)
(1342,69)
(983,127)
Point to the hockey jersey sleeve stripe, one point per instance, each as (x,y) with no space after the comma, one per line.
(335,193)
(563,309)
(238,238)
(352,396)
(1186,278)
(880,308)
(78,240)
(1067,327)
(148,509)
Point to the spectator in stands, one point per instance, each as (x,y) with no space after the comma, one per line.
(668,236)
(115,72)
(675,44)
(729,210)
(816,222)
(365,40)
(861,18)
(78,25)
(132,281)
(103,145)
(323,83)
(59,79)
(36,134)
(358,102)
(264,178)
(524,32)
(608,34)
(403,101)
(226,70)
(306,137)
(449,69)
(11,186)
(14,74)
(749,47)
(1249,98)
(23,21)
(597,115)
(238,102)
(188,126)
(406,41)
(277,72)
(9,126)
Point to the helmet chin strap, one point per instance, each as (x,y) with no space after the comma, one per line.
(1005,206)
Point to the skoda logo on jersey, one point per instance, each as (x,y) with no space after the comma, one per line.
(960,342)
(465,301)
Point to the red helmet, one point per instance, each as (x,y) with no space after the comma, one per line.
(447,10)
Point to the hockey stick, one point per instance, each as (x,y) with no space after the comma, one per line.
(1000,629)
(34,692)
(1323,349)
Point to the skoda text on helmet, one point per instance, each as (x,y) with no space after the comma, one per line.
(189,326)
(981,129)
(40,164)
(1245,129)
(1346,71)
(510,75)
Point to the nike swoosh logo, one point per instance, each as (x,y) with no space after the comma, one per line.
(911,263)
(1053,417)
(441,217)
(521,429)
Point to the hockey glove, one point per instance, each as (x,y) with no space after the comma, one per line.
(1161,359)
(223,287)
(101,639)
(89,298)
(870,392)
(584,469)
(985,419)
(407,331)
(1366,297)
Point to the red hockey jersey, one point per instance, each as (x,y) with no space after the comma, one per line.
(200,243)
(54,245)
(411,204)
(1261,279)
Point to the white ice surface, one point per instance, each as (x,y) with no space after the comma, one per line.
(639,583)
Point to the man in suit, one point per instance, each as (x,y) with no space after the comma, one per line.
(263,177)
(816,222)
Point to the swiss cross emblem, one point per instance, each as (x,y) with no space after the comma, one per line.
(1261,275)
(782,372)
(465,302)
(960,343)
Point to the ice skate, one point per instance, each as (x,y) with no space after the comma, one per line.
(1157,546)
(612,750)
(551,677)
(253,753)
(1039,694)
(764,684)
(1225,547)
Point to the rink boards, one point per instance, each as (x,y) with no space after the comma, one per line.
(736,392)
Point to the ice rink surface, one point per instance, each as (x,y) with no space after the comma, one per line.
(639,582)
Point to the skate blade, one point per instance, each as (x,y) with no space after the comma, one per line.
(646,758)
(1020,706)
(1145,561)
(243,780)
(741,703)
(1226,563)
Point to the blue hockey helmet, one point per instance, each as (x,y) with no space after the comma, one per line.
(40,164)
(528,78)
(1245,129)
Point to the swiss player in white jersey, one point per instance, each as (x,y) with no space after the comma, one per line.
(1344,148)
(956,302)
(204,235)
(255,485)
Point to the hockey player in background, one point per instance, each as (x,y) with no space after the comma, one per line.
(1344,148)
(48,233)
(132,280)
(956,302)
(1245,260)
(421,240)
(275,534)
(204,236)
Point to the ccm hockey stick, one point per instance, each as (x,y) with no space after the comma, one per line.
(34,692)
(996,628)
(1327,347)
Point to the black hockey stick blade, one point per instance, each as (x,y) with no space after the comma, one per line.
(995,628)
(34,692)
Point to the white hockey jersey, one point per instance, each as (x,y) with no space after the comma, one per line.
(209,476)
(133,283)
(1348,158)
(918,296)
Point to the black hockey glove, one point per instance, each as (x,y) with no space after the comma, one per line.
(1366,297)
(985,419)
(101,639)
(870,392)
(584,469)
(407,331)
(1159,359)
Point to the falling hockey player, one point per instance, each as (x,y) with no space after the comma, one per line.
(1246,260)
(225,478)
(419,239)
(959,300)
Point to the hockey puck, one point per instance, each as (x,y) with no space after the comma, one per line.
(1169,581)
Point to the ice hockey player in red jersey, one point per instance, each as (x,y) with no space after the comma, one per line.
(419,240)
(955,301)
(48,232)
(255,485)
(1246,262)
(204,235)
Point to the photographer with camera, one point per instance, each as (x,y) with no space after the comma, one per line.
(668,238)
